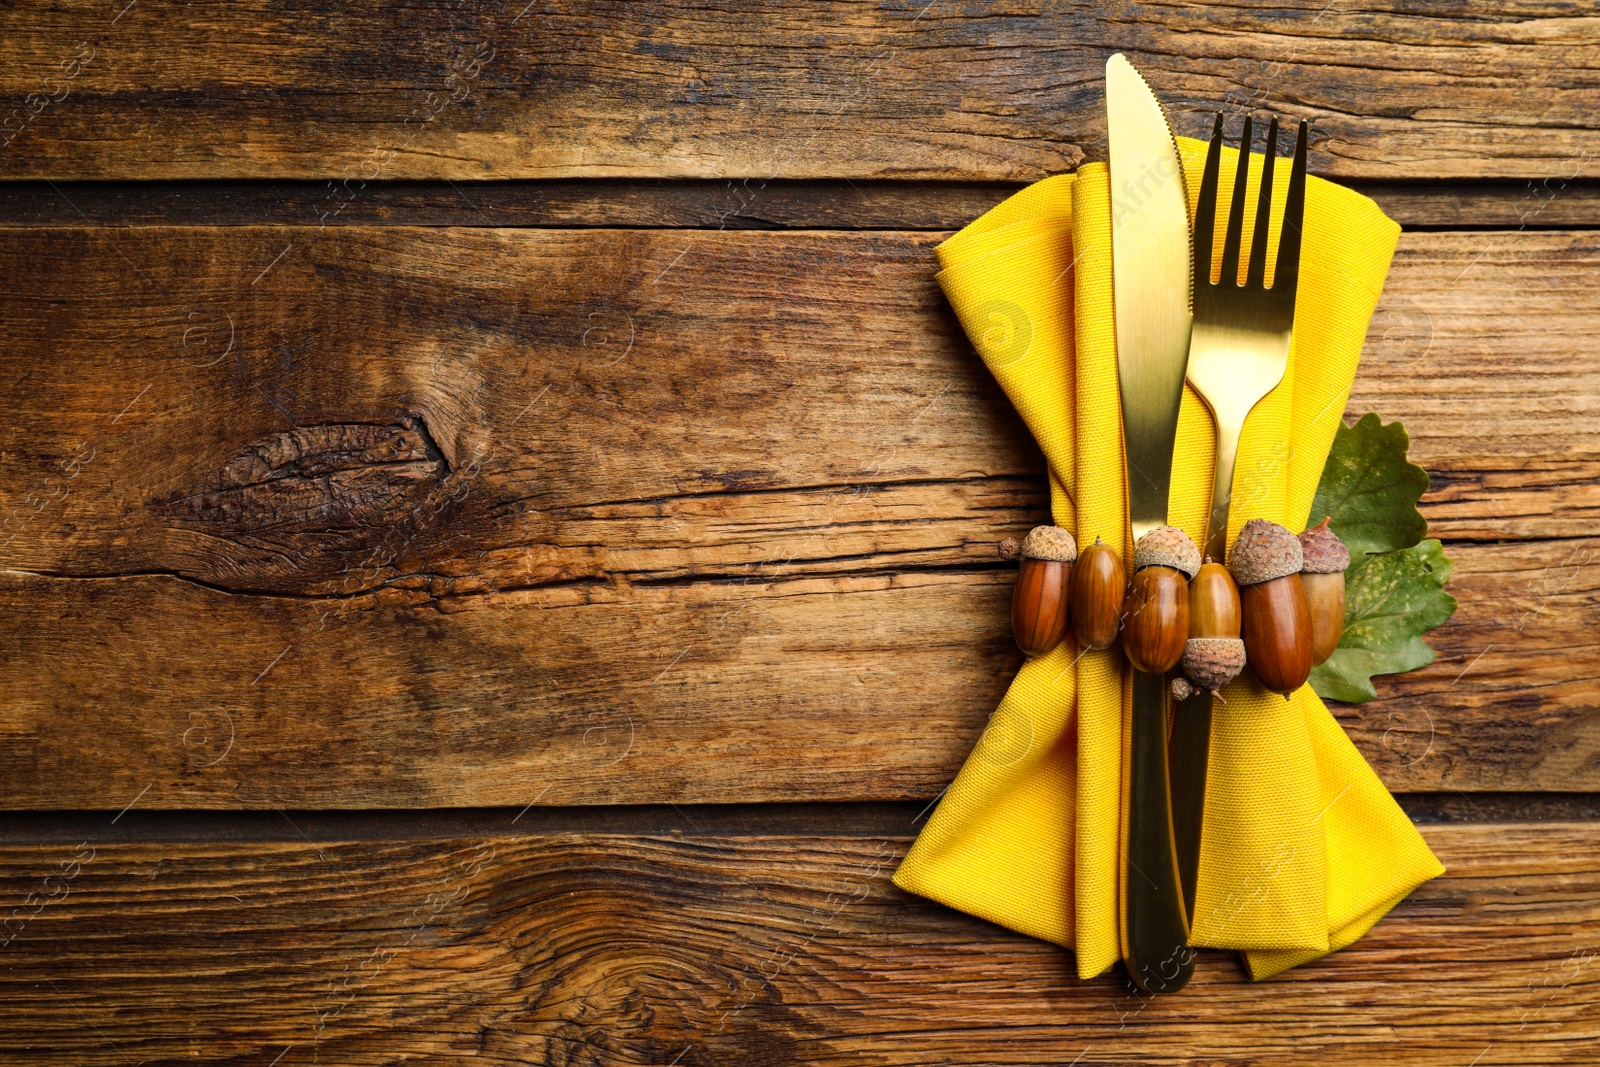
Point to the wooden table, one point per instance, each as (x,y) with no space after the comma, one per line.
(500,526)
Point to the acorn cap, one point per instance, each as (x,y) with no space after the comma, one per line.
(1264,551)
(1167,546)
(1050,542)
(1212,662)
(1181,688)
(1324,552)
(1010,548)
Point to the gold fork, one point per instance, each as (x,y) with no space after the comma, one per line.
(1238,353)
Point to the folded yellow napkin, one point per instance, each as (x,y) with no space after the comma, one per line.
(1303,848)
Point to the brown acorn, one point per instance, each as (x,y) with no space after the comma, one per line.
(1265,561)
(1326,560)
(1156,614)
(1214,655)
(1098,586)
(1212,662)
(1039,610)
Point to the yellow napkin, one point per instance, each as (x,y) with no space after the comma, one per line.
(1303,848)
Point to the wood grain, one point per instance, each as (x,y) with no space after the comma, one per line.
(419,517)
(764,950)
(752,90)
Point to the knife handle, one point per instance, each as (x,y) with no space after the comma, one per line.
(1155,925)
(1189,752)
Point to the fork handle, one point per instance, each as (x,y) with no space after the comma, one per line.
(1189,750)
(1228,431)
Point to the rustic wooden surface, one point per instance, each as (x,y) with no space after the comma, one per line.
(539,423)
(707,948)
(215,489)
(959,89)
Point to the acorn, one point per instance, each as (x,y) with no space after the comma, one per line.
(1156,613)
(1098,586)
(1039,610)
(1265,561)
(1214,655)
(1322,574)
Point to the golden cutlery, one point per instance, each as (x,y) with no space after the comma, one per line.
(1238,353)
(1150,271)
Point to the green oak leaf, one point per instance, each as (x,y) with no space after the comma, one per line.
(1391,600)
(1369,491)
(1394,589)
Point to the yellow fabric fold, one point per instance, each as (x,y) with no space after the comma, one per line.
(1303,848)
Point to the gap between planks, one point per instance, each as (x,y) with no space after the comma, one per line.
(734,204)
(813,819)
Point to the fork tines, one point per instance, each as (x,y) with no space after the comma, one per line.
(1287,273)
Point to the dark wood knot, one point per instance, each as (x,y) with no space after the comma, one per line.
(332,509)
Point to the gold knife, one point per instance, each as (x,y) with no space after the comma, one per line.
(1153,289)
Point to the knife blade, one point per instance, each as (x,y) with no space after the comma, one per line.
(1153,296)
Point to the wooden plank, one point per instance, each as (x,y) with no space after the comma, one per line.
(414,517)
(758,949)
(963,90)
(1464,349)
